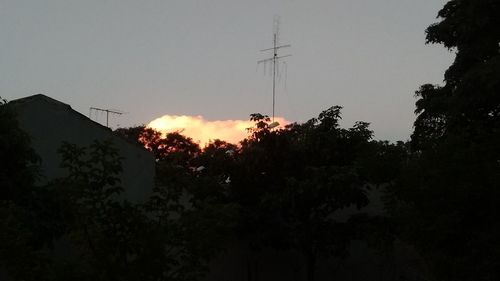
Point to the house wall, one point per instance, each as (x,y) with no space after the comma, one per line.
(49,123)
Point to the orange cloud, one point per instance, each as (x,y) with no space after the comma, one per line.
(202,131)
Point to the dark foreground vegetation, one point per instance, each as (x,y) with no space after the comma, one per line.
(278,189)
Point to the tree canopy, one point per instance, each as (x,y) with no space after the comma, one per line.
(279,188)
(448,191)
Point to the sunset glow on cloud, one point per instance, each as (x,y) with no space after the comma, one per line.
(202,131)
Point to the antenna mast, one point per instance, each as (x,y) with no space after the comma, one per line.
(275,56)
(108,111)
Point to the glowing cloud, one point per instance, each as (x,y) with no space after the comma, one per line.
(202,131)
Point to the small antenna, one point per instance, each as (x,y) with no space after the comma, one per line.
(108,111)
(275,58)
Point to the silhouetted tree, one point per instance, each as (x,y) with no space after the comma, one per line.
(80,228)
(448,197)
(190,195)
(281,188)
(114,239)
(19,163)
(292,182)
(28,213)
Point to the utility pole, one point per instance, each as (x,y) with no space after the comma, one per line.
(274,59)
(108,111)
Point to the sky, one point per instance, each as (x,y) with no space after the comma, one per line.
(152,58)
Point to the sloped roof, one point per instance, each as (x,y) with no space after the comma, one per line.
(62,105)
(38,97)
(43,98)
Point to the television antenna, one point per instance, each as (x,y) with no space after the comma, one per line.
(107,111)
(274,59)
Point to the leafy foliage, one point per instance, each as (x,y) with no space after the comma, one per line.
(122,241)
(468,103)
(80,228)
(27,224)
(280,188)
(188,198)
(291,183)
(18,168)
(447,198)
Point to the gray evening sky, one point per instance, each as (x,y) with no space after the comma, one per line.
(155,57)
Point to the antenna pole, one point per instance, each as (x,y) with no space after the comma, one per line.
(274,58)
(274,72)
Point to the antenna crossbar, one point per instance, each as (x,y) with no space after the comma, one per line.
(278,47)
(271,59)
